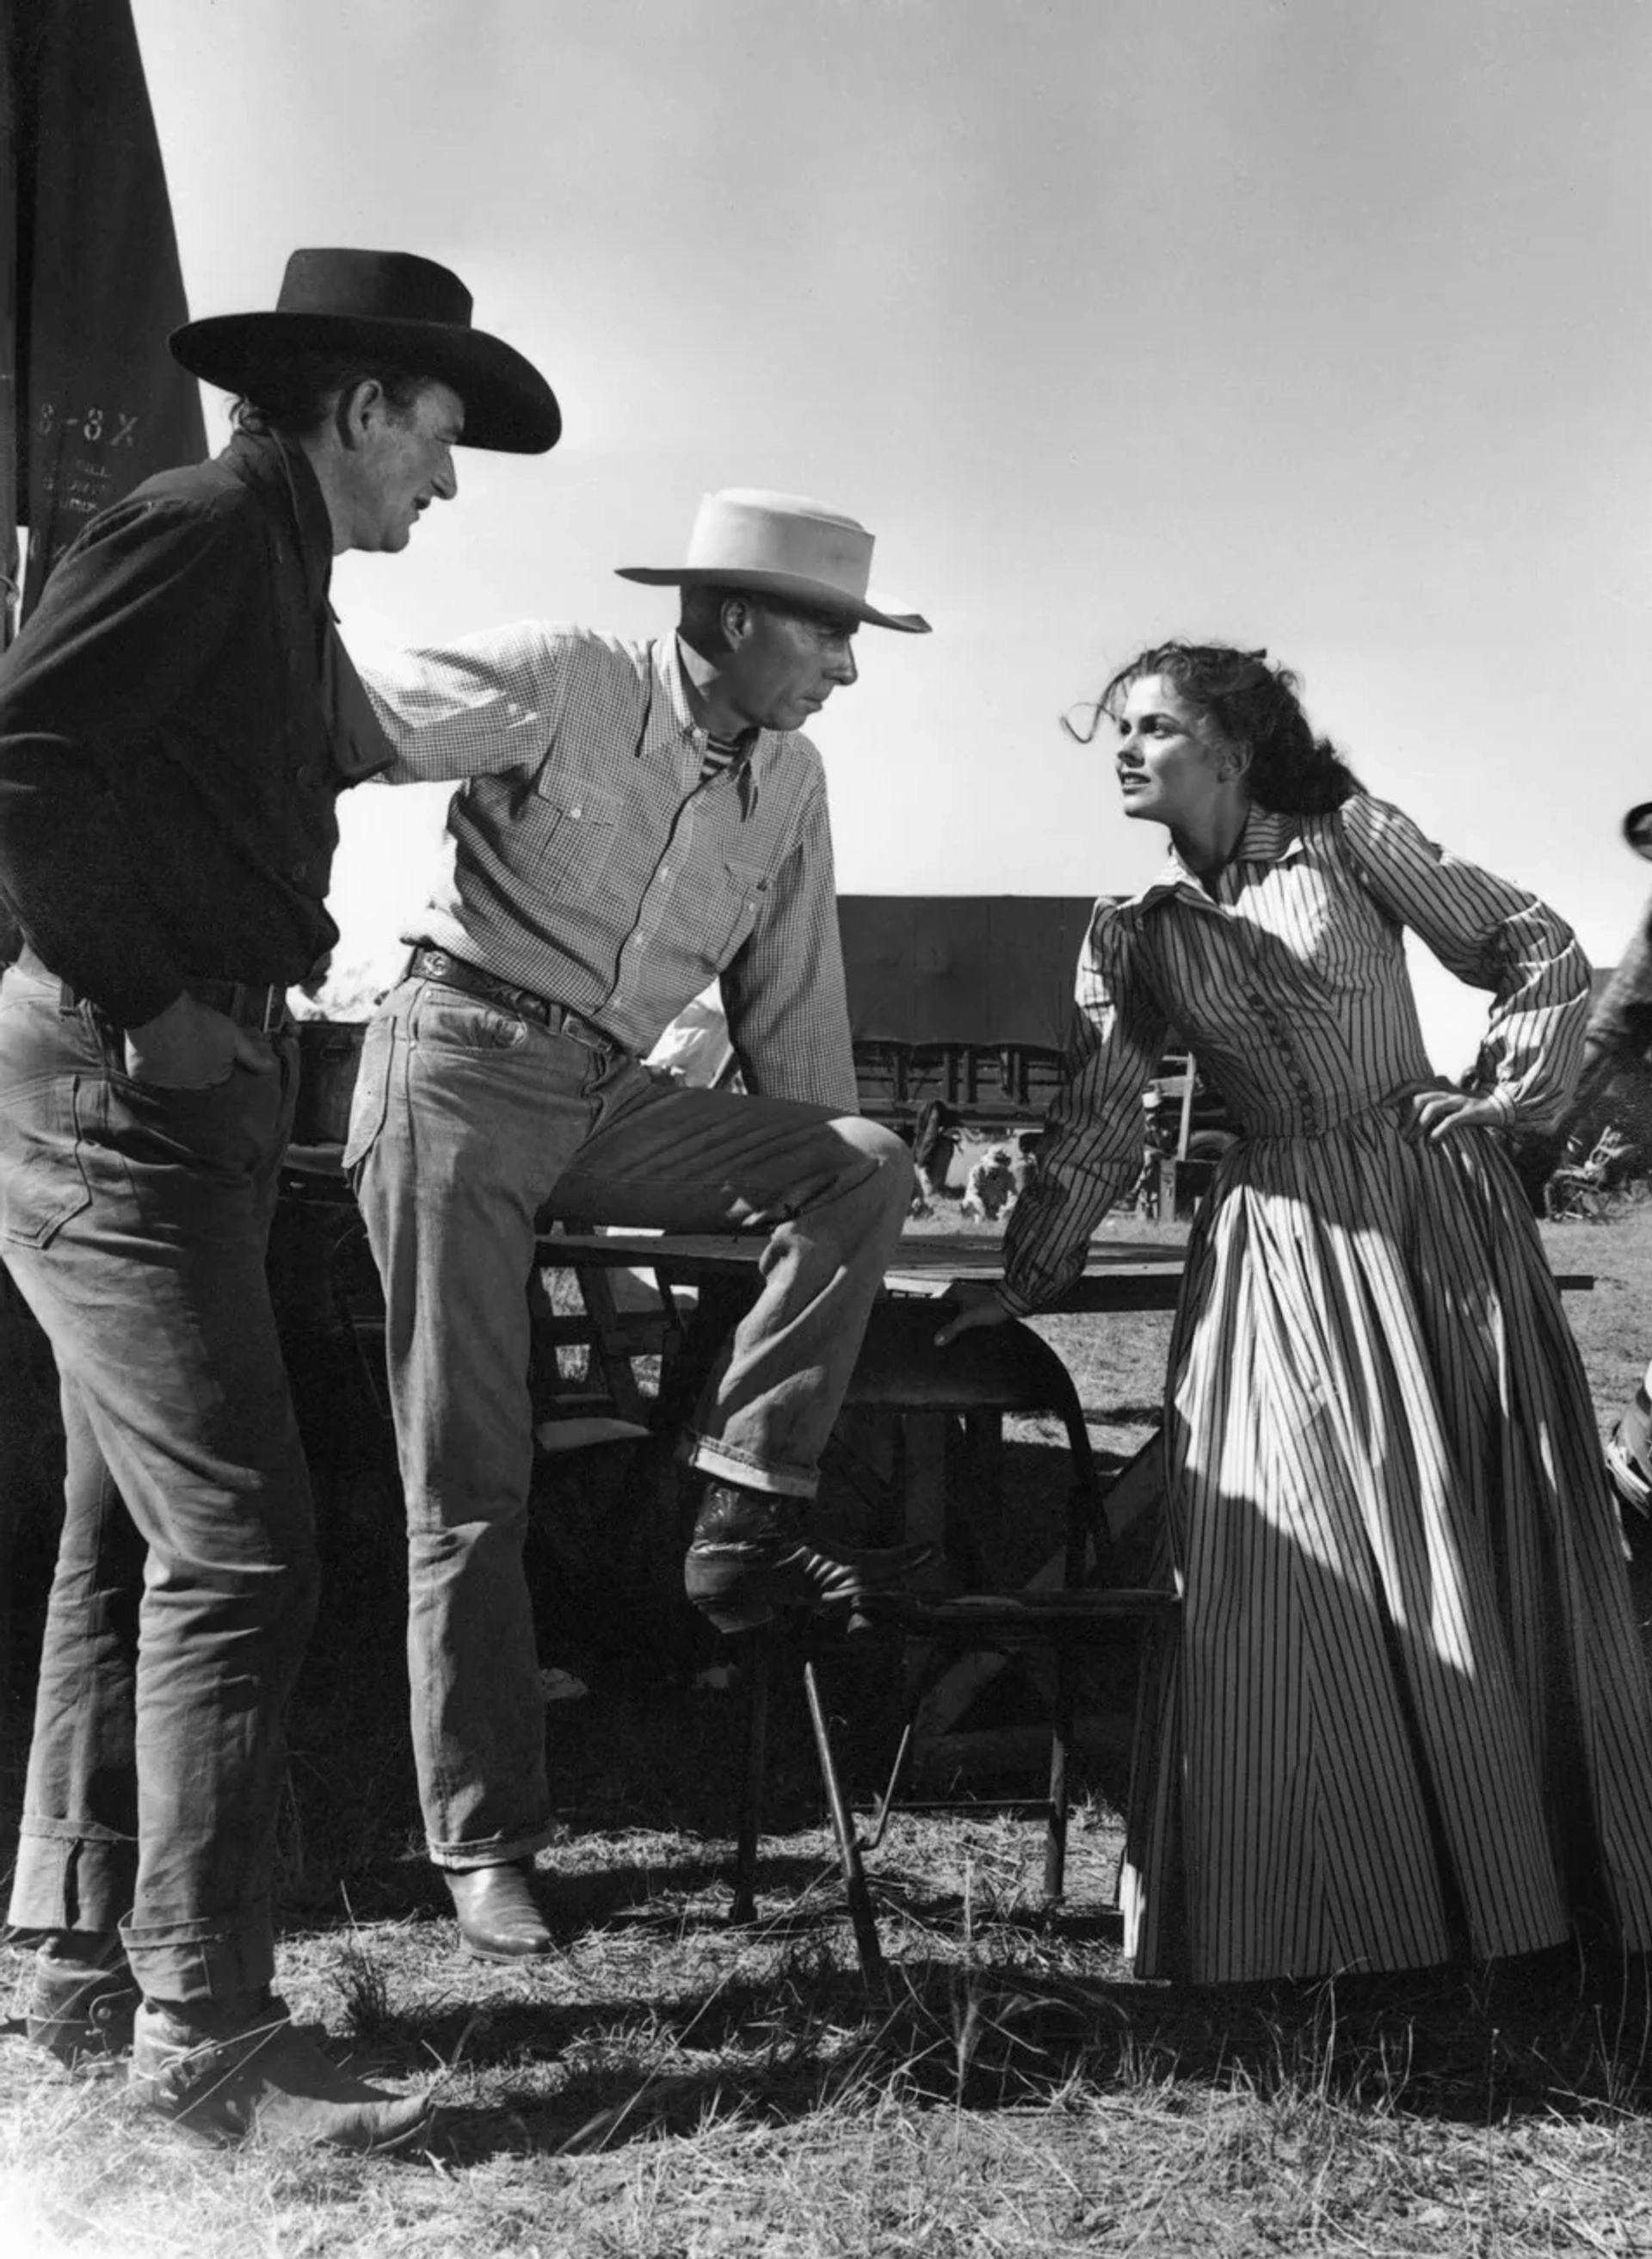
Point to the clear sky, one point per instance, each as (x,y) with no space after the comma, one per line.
(1325,324)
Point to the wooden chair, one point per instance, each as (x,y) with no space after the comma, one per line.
(976,1381)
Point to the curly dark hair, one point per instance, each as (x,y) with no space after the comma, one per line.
(296,398)
(1254,705)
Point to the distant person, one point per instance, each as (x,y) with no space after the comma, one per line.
(1407,1716)
(989,1185)
(1159,1132)
(936,1136)
(176,721)
(1618,1041)
(1023,1165)
(636,820)
(1619,1044)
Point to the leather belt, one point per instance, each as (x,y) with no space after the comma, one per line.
(430,962)
(260,1004)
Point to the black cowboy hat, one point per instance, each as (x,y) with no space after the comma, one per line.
(389,307)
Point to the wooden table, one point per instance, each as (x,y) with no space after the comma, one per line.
(1122,1274)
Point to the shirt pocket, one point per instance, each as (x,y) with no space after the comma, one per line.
(577,826)
(744,890)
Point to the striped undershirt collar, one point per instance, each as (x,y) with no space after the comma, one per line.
(722,753)
(718,755)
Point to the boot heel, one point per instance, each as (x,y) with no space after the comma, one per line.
(748,1615)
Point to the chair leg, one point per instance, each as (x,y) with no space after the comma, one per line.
(860,1909)
(761,1660)
(1060,1754)
(898,1772)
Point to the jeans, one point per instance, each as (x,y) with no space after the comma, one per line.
(133,1221)
(470,1125)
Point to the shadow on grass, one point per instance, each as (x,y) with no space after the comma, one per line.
(995,2038)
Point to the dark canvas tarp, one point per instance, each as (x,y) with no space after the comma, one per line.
(962,968)
(97,401)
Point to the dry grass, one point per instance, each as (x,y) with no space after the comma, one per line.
(668,2086)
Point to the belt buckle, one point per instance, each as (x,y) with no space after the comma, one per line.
(268,1020)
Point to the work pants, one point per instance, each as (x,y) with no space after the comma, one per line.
(472,1125)
(134,1221)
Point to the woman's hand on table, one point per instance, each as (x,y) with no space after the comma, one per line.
(970,1304)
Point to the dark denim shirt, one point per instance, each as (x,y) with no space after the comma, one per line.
(169,753)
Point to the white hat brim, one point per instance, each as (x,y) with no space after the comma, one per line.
(813,596)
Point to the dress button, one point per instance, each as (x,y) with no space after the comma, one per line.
(576,813)
(304,773)
(299,871)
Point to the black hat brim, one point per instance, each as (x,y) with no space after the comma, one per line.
(508,407)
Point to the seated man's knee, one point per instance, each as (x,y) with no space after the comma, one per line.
(892,1154)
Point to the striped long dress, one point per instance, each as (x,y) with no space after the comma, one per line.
(1407,1712)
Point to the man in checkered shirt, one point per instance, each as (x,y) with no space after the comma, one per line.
(634,820)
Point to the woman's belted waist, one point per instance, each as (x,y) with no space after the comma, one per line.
(1322,1113)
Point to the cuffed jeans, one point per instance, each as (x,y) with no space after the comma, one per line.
(471,1124)
(134,1221)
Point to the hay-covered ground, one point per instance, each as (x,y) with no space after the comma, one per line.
(670,2085)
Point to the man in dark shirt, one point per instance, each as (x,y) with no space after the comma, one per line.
(176,721)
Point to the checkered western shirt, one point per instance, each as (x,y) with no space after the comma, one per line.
(592,860)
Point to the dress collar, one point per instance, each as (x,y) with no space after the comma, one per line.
(1268,837)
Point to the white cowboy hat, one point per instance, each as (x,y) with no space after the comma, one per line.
(780,545)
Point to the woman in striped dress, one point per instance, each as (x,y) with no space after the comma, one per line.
(1407,1718)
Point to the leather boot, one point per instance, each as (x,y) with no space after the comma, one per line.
(498,1918)
(749,1557)
(245,2068)
(82,1998)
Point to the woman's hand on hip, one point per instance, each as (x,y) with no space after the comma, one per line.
(1437,1115)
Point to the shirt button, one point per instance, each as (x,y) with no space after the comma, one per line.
(299,871)
(576,813)
(304,773)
